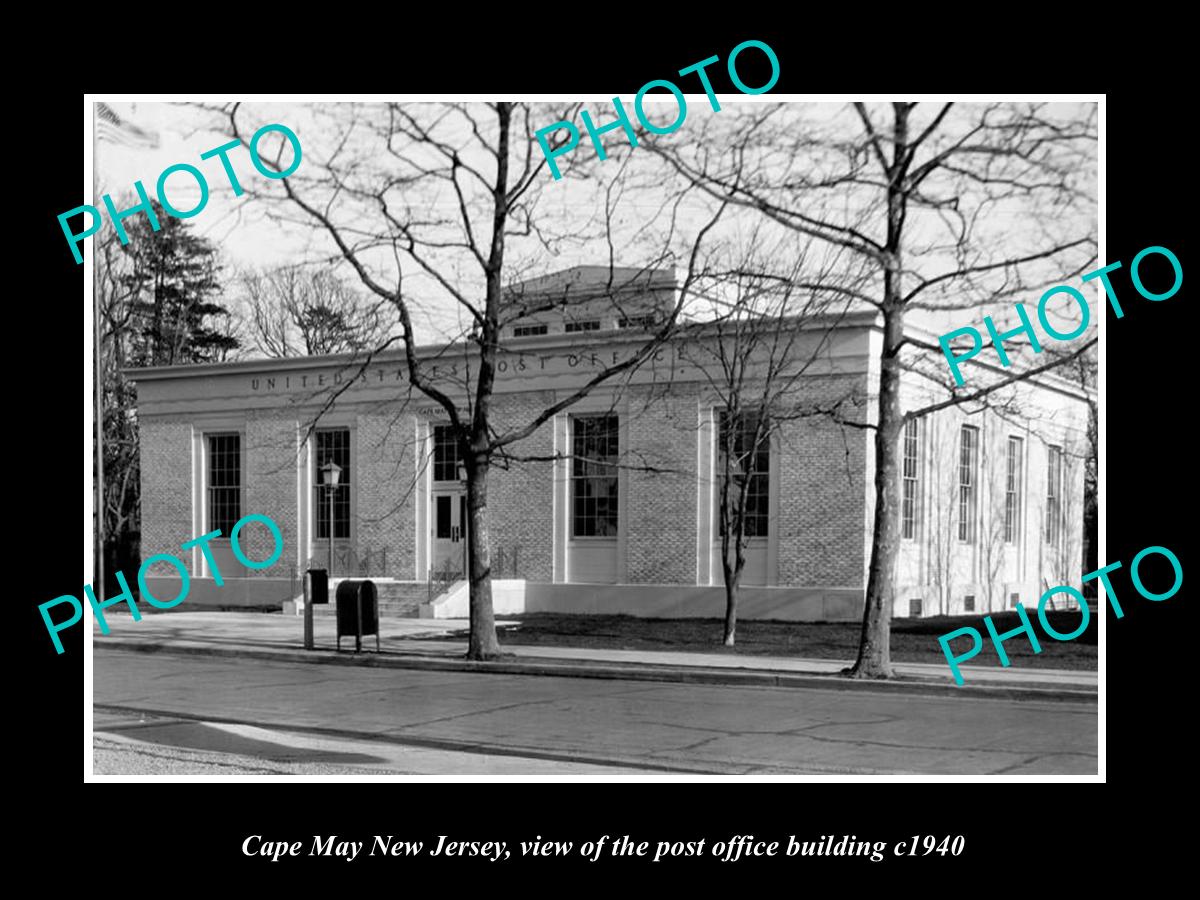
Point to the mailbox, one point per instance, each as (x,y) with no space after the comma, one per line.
(357,612)
(318,580)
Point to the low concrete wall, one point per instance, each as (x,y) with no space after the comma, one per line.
(672,601)
(515,596)
(203,593)
(508,598)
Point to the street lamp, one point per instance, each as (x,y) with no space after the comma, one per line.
(332,472)
(462,479)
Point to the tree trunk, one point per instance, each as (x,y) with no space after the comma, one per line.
(732,578)
(483,643)
(874,650)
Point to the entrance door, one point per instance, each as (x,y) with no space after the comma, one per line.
(449,531)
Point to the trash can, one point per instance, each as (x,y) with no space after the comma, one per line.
(357,612)
(319,585)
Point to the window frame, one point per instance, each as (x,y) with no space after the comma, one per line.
(968,490)
(1014,489)
(345,487)
(533,330)
(582,469)
(209,488)
(576,326)
(642,321)
(1054,479)
(762,508)
(435,444)
(910,506)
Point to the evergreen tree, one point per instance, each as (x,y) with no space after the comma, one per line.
(157,302)
(176,274)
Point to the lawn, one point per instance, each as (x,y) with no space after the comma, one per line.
(913,640)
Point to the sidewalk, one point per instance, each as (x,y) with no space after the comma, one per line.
(405,644)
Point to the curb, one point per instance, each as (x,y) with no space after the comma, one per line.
(626,672)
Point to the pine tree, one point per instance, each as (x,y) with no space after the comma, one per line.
(176,273)
(158,306)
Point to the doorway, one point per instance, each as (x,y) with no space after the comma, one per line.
(450,531)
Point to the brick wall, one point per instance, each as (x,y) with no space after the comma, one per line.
(521,499)
(166,491)
(271,445)
(822,503)
(386,490)
(661,495)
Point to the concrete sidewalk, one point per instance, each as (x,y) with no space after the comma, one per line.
(405,643)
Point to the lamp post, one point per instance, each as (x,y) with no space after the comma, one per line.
(332,473)
(462,479)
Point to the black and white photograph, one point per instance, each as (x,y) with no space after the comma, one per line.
(684,435)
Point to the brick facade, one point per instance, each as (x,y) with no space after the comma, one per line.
(821,472)
(822,510)
(661,485)
(385,495)
(166,489)
(521,496)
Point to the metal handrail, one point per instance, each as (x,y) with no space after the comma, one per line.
(347,563)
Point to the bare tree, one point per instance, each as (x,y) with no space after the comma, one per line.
(297,311)
(962,209)
(1082,371)
(117,290)
(426,202)
(762,340)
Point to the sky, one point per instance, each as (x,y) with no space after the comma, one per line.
(253,231)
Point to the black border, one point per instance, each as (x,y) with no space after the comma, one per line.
(164,828)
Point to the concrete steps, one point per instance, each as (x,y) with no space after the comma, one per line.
(397,599)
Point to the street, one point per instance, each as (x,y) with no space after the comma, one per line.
(466,723)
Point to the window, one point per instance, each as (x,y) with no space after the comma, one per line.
(914,606)
(333,445)
(911,511)
(1054,477)
(748,462)
(594,477)
(968,457)
(528,330)
(224,481)
(969,603)
(645,322)
(1012,491)
(587,325)
(446,455)
(1013,600)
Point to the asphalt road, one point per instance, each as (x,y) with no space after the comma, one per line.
(137,744)
(535,720)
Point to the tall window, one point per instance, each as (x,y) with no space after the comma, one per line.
(1012,491)
(747,463)
(968,458)
(911,508)
(224,481)
(1054,477)
(333,444)
(594,477)
(446,456)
